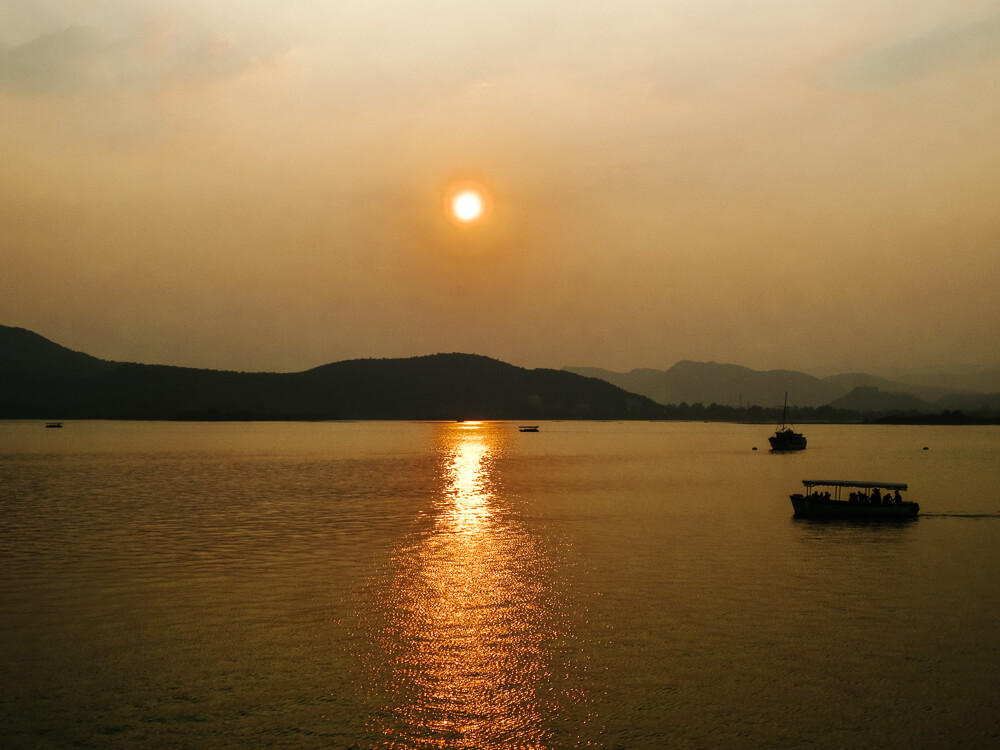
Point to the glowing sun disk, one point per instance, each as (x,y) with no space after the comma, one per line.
(467,205)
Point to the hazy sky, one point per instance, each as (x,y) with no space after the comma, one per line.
(258,185)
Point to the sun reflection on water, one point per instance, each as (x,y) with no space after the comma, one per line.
(468,488)
(469,616)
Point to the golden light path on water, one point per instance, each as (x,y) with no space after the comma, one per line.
(469,616)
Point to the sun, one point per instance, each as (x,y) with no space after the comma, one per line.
(467,203)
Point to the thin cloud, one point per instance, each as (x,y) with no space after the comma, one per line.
(919,55)
(53,63)
(86,60)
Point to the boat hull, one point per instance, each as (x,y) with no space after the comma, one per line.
(814,507)
(787,442)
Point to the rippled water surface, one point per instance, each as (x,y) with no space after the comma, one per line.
(464,585)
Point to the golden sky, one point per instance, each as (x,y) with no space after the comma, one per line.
(262,185)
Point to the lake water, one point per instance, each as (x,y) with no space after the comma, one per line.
(464,585)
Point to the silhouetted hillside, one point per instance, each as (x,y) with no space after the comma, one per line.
(43,380)
(726,385)
(734,385)
(954,378)
(849,381)
(868,399)
(984,404)
(26,352)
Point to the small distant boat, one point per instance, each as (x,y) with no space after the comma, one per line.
(866,501)
(53,425)
(785,438)
(528,428)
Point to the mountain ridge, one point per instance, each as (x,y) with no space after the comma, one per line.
(724,384)
(42,379)
(33,353)
(737,386)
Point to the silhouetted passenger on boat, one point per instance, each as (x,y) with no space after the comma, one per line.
(896,498)
(876,497)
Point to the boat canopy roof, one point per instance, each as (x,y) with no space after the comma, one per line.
(845,483)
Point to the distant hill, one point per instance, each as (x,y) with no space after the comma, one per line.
(869,399)
(27,352)
(42,380)
(971,403)
(955,378)
(723,384)
(849,381)
(734,385)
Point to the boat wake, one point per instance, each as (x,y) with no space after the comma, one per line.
(995,516)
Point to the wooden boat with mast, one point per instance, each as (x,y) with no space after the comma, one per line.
(785,438)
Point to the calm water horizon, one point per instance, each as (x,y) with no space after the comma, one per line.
(465,585)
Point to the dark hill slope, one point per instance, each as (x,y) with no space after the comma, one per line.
(28,353)
(849,381)
(470,386)
(41,385)
(978,403)
(872,400)
(728,385)
(733,385)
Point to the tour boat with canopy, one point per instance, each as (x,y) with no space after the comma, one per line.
(864,500)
